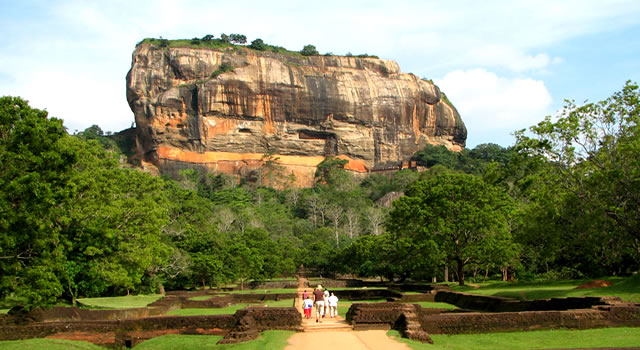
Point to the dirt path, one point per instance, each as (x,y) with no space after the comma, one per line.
(351,340)
(335,333)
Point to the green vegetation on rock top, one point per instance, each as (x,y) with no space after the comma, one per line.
(256,45)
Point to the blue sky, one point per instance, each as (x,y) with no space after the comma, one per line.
(504,64)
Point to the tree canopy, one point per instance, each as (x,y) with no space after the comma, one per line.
(76,220)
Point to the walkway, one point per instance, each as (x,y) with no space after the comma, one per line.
(336,333)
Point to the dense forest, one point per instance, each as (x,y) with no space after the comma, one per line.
(77,221)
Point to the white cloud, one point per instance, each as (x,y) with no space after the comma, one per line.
(429,38)
(509,57)
(81,97)
(492,106)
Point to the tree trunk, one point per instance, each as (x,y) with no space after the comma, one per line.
(460,272)
(446,273)
(161,289)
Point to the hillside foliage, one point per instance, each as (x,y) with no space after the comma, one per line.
(76,221)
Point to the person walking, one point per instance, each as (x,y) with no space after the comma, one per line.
(318,298)
(307,306)
(326,302)
(333,305)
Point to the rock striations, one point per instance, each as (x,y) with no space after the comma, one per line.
(224,109)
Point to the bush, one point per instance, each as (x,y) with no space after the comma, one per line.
(309,50)
(258,44)
(224,67)
(238,38)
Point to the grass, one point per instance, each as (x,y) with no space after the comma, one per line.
(47,344)
(201,298)
(125,302)
(343,306)
(266,291)
(548,339)
(434,305)
(4,311)
(229,310)
(267,340)
(626,288)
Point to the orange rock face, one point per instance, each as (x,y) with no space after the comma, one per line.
(298,109)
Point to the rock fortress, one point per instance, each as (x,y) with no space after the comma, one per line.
(223,110)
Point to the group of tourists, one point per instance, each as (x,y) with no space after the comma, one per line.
(326,303)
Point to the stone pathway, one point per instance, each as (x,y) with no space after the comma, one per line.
(335,333)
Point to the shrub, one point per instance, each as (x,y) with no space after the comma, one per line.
(224,67)
(258,44)
(309,50)
(238,38)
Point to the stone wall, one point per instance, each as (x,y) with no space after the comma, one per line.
(130,332)
(611,316)
(499,304)
(403,317)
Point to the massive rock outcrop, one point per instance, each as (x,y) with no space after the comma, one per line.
(225,109)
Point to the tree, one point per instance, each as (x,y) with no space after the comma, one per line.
(207,37)
(335,213)
(375,216)
(432,155)
(591,158)
(596,149)
(331,171)
(238,38)
(309,50)
(458,212)
(112,222)
(258,44)
(34,170)
(225,38)
(352,222)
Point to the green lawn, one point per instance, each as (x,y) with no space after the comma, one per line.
(126,302)
(266,291)
(549,339)
(229,310)
(4,311)
(267,340)
(434,305)
(626,288)
(47,344)
(201,298)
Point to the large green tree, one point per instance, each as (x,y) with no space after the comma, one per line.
(591,159)
(459,214)
(34,169)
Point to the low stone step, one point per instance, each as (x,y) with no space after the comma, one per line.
(325,326)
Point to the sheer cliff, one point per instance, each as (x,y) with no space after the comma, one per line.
(224,109)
